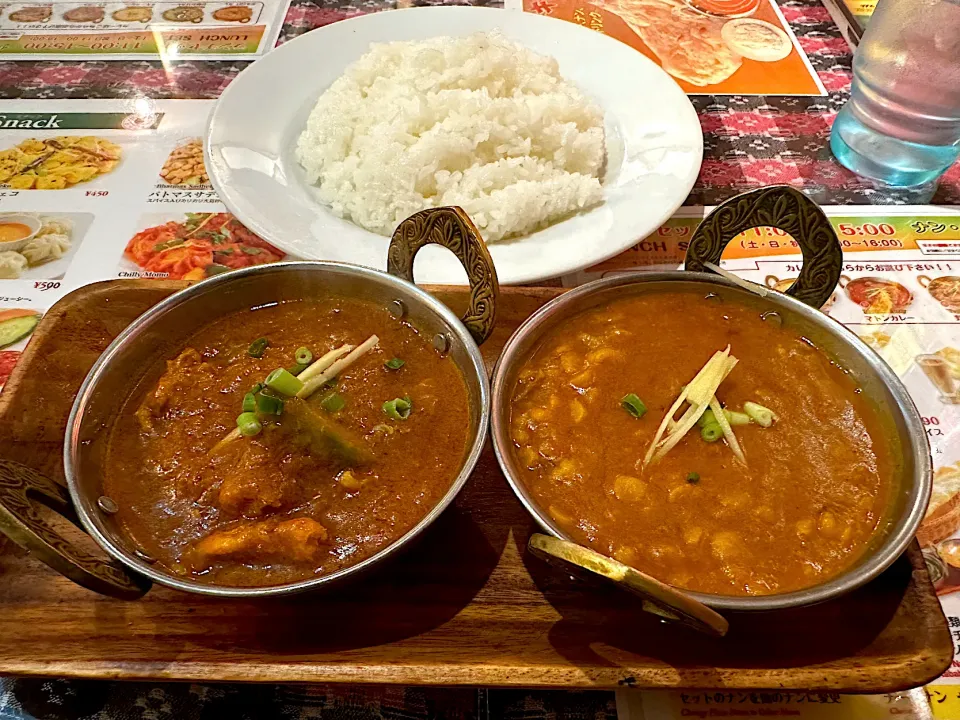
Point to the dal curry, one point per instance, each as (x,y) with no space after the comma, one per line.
(618,437)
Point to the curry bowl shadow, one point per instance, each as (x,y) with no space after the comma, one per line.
(419,590)
(593,613)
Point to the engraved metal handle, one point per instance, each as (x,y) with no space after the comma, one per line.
(789,210)
(20,489)
(452,228)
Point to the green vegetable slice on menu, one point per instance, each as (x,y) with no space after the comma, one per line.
(16,325)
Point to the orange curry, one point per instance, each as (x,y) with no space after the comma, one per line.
(813,490)
(325,483)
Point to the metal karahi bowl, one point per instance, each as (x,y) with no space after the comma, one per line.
(816,284)
(163,330)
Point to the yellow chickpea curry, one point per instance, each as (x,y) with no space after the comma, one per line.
(286,443)
(691,439)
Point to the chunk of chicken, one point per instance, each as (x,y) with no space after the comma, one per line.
(292,541)
(180,371)
(251,486)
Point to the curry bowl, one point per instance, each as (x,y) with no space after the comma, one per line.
(570,435)
(174,367)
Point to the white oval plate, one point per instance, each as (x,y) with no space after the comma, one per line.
(654,143)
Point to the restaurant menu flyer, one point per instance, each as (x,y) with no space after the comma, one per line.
(851,17)
(720,703)
(711,47)
(108,189)
(70,30)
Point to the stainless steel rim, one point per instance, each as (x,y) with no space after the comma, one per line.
(71,446)
(883,557)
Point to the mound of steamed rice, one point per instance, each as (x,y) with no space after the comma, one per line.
(478,121)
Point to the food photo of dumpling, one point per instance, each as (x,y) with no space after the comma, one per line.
(52,241)
(44,248)
(12,264)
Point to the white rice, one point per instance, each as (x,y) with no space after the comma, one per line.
(479,122)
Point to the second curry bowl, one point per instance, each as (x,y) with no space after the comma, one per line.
(729,440)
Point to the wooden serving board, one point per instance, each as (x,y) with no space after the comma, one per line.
(466,605)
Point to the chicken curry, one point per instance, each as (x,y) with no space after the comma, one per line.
(690,438)
(287,442)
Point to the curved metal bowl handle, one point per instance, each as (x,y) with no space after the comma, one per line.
(781,207)
(20,489)
(658,598)
(453,229)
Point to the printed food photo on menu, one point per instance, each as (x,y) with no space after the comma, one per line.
(184,165)
(195,246)
(56,163)
(85,14)
(39,246)
(941,550)
(784,284)
(877,296)
(942,369)
(945,290)
(707,46)
(134,14)
(16,325)
(32,14)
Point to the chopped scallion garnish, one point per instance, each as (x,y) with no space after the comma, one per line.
(249,402)
(633,405)
(269,405)
(736,418)
(257,347)
(707,418)
(398,408)
(693,478)
(764,417)
(284,382)
(332,403)
(712,432)
(304,356)
(248,424)
(394,364)
(257,387)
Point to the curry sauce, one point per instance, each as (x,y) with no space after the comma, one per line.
(268,509)
(802,509)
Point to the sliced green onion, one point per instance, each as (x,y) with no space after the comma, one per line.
(332,403)
(296,369)
(394,364)
(633,405)
(736,418)
(257,347)
(269,405)
(398,408)
(712,432)
(764,417)
(693,478)
(249,402)
(385,429)
(257,387)
(304,356)
(284,382)
(707,418)
(248,424)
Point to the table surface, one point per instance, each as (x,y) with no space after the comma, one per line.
(749,142)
